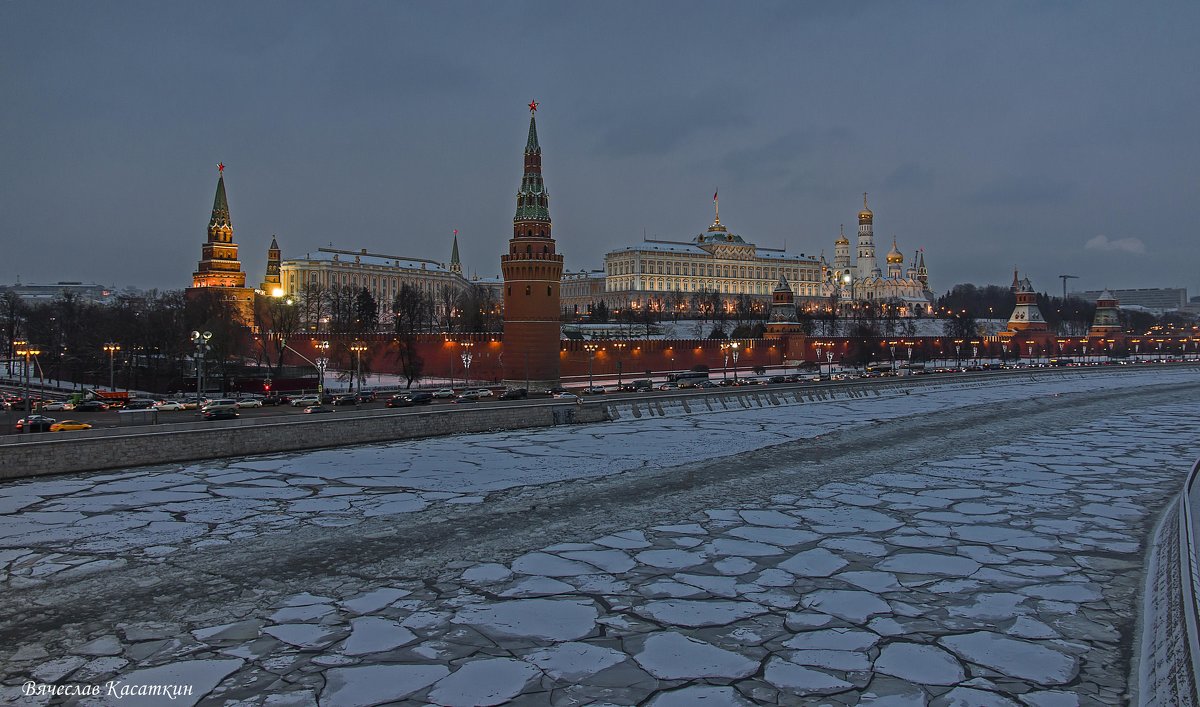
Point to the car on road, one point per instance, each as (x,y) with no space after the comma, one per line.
(69,426)
(192,403)
(90,406)
(170,406)
(443,393)
(224,404)
(470,394)
(305,401)
(668,386)
(706,384)
(250,403)
(316,409)
(594,390)
(466,397)
(56,406)
(220,413)
(366,396)
(35,423)
(276,399)
(346,400)
(483,393)
(564,395)
(139,404)
(514,394)
(555,391)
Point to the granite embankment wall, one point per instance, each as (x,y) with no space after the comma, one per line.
(125,448)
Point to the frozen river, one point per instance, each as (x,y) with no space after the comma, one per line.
(954,545)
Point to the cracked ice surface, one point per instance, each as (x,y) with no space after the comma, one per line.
(888,588)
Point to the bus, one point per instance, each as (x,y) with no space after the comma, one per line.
(687,376)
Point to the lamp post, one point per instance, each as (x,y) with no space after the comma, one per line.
(357,347)
(735,346)
(27,352)
(200,339)
(112,349)
(466,361)
(892,348)
(591,352)
(725,363)
(322,361)
(620,347)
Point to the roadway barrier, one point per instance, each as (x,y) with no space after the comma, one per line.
(1169,661)
(122,448)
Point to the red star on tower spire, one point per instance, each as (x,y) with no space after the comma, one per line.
(533,106)
(221,167)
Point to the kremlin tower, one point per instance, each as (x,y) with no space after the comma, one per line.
(1026,320)
(532,273)
(1107,322)
(455,263)
(271,285)
(782,319)
(219,267)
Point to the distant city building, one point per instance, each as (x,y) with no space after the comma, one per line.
(581,290)
(381,275)
(1162,299)
(655,271)
(863,279)
(86,291)
(219,267)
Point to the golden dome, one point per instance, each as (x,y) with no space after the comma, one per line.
(865,215)
(842,239)
(894,256)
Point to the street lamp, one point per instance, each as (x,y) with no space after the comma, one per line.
(27,352)
(466,361)
(620,347)
(735,346)
(892,348)
(112,349)
(591,351)
(357,347)
(322,361)
(200,339)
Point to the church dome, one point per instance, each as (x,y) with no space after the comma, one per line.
(865,216)
(842,239)
(894,256)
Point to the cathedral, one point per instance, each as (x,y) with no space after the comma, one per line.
(863,279)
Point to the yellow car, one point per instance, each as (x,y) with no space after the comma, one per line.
(69,425)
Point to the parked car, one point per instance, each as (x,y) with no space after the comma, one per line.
(139,404)
(316,410)
(443,393)
(250,403)
(35,423)
(90,406)
(465,398)
(346,400)
(483,393)
(514,394)
(57,405)
(69,426)
(170,406)
(305,401)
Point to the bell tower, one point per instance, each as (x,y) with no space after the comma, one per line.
(532,275)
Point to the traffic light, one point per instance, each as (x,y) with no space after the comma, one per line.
(267,387)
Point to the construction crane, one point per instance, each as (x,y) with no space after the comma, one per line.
(1064,279)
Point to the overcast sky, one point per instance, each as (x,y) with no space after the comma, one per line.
(1053,136)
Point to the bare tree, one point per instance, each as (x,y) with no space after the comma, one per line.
(409,309)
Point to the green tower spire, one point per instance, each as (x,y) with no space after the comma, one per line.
(220,211)
(455,264)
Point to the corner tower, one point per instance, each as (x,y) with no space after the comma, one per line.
(532,273)
(219,267)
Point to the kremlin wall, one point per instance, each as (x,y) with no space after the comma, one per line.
(531,352)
